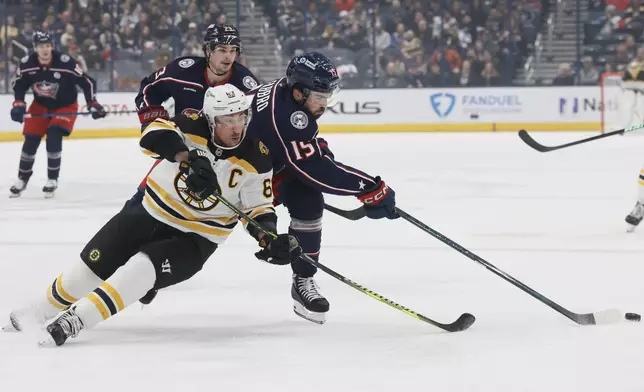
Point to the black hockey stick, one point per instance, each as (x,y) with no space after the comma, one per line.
(603,317)
(29,115)
(462,323)
(523,134)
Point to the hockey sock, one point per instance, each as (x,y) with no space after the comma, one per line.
(28,156)
(129,283)
(54,150)
(309,233)
(67,288)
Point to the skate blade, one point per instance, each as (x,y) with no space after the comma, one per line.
(14,195)
(9,328)
(314,317)
(48,195)
(45,340)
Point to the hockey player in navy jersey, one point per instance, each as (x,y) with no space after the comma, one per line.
(285,113)
(186,80)
(53,78)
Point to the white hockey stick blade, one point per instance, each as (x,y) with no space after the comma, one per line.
(608,316)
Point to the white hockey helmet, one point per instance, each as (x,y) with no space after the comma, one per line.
(221,101)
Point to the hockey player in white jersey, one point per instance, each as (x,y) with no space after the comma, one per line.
(168,238)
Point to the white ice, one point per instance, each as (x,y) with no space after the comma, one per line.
(554,221)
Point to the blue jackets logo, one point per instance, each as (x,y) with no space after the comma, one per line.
(442,103)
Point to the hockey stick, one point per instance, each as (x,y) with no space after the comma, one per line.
(603,317)
(462,323)
(27,115)
(541,148)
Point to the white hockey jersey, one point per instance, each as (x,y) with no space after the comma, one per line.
(244,175)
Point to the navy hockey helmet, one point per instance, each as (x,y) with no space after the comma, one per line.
(42,37)
(313,72)
(221,34)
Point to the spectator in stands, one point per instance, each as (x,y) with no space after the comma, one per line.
(609,21)
(564,76)
(632,17)
(465,76)
(67,36)
(588,75)
(417,71)
(10,31)
(489,76)
(621,55)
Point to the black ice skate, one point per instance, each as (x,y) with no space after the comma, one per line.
(66,325)
(635,217)
(309,303)
(50,188)
(17,187)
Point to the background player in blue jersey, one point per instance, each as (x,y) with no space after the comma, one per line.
(53,78)
(285,113)
(186,79)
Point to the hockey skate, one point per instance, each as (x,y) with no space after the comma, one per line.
(17,187)
(309,303)
(50,188)
(24,319)
(634,217)
(66,325)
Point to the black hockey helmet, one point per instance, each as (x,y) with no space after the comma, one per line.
(313,71)
(221,34)
(42,37)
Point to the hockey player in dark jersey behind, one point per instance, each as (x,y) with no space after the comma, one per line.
(285,113)
(53,77)
(186,80)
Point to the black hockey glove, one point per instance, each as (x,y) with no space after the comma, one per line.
(97,110)
(18,110)
(280,251)
(379,201)
(201,180)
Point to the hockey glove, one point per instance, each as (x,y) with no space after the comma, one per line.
(97,110)
(18,110)
(280,251)
(201,180)
(147,114)
(324,146)
(379,201)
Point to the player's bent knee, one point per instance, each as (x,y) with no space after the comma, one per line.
(31,144)
(55,136)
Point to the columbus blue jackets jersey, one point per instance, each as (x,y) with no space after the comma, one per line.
(54,84)
(290,134)
(185,80)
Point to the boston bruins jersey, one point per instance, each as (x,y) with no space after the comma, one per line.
(634,72)
(244,176)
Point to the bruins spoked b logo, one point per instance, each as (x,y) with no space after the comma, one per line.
(190,198)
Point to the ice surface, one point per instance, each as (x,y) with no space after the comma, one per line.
(554,220)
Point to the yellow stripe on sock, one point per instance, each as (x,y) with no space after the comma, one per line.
(116,297)
(53,302)
(61,290)
(102,309)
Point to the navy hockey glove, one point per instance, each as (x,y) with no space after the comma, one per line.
(324,146)
(280,251)
(18,110)
(147,114)
(201,180)
(97,110)
(379,201)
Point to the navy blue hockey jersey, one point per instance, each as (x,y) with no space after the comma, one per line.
(185,80)
(291,136)
(54,84)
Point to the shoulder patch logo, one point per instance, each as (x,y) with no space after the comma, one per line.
(185,63)
(64,58)
(249,82)
(192,114)
(299,120)
(57,75)
(262,148)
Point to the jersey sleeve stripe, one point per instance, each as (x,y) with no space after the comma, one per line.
(145,95)
(202,141)
(355,173)
(288,156)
